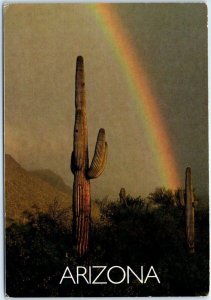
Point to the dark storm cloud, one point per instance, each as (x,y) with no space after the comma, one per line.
(41,45)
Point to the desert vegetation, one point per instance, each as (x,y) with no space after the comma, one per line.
(135,232)
(80,163)
(163,230)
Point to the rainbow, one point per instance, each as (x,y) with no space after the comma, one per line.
(141,91)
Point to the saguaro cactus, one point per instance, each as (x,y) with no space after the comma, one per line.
(80,163)
(122,195)
(189,204)
(179,196)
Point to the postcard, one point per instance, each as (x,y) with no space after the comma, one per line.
(106,149)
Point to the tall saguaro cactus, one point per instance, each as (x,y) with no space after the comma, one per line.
(80,163)
(189,203)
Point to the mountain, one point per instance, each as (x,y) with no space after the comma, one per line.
(23,191)
(53,179)
(27,189)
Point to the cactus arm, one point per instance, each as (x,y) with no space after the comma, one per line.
(100,156)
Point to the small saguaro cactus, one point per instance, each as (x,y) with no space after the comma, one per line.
(179,196)
(122,195)
(189,205)
(80,164)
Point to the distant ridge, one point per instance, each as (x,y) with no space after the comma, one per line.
(23,190)
(53,179)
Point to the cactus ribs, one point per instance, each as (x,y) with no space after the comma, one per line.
(80,164)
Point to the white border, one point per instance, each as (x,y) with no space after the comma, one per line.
(2,282)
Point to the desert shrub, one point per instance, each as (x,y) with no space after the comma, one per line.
(162,196)
(38,251)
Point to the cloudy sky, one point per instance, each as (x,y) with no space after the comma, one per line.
(41,46)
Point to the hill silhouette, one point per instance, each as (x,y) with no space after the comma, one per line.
(24,190)
(53,179)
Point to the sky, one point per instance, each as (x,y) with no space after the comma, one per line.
(170,43)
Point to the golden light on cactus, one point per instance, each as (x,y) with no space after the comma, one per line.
(80,164)
(189,203)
